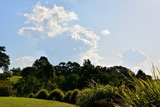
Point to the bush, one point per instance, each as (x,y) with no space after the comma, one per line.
(99,96)
(56,94)
(27,85)
(42,94)
(146,94)
(74,96)
(31,95)
(5,88)
(67,97)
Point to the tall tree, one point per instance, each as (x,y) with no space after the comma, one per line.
(4,59)
(16,71)
(45,70)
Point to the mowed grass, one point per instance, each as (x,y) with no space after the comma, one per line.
(30,102)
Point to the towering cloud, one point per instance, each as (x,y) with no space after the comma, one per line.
(43,22)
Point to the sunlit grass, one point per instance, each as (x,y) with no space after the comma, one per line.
(30,102)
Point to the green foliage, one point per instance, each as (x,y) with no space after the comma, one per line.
(141,94)
(112,86)
(50,86)
(29,72)
(142,75)
(56,94)
(147,93)
(67,97)
(42,94)
(14,79)
(5,88)
(74,96)
(70,82)
(93,97)
(27,85)
(59,80)
(45,70)
(71,96)
(4,59)
(5,75)
(31,95)
(16,71)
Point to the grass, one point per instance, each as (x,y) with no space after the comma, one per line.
(30,102)
(14,79)
(143,93)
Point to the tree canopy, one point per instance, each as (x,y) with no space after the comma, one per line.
(4,58)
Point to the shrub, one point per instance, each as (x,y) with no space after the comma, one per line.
(5,88)
(99,96)
(67,97)
(27,85)
(146,94)
(56,94)
(74,96)
(42,94)
(31,95)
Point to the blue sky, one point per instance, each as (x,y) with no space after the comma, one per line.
(109,32)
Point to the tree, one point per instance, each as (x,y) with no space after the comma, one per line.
(27,85)
(142,75)
(29,71)
(45,70)
(4,59)
(86,74)
(71,82)
(16,71)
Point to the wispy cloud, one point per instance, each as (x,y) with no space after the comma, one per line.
(84,34)
(22,61)
(44,22)
(135,59)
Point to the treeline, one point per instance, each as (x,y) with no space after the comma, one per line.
(64,82)
(69,76)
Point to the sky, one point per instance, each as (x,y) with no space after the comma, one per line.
(108,32)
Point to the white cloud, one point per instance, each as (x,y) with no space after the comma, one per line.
(50,22)
(84,34)
(105,32)
(135,60)
(23,61)
(45,22)
(93,56)
(1,71)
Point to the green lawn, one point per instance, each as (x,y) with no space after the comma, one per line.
(30,102)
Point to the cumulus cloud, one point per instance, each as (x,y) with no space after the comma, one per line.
(23,61)
(44,22)
(84,34)
(105,32)
(49,22)
(93,56)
